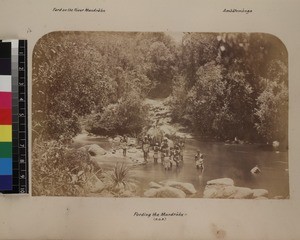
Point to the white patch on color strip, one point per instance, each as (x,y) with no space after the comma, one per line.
(5,83)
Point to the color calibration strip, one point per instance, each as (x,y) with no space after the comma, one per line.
(13,117)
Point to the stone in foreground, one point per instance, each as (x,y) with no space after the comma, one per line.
(229,192)
(188,188)
(96,150)
(165,192)
(221,181)
(260,193)
(154,185)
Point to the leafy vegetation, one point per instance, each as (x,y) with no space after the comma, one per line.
(127,116)
(60,171)
(120,179)
(232,85)
(219,85)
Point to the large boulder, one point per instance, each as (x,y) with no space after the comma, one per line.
(243,193)
(210,192)
(154,185)
(96,150)
(224,188)
(170,192)
(223,191)
(260,193)
(188,188)
(165,192)
(221,181)
(151,192)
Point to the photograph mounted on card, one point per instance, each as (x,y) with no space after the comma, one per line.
(160,115)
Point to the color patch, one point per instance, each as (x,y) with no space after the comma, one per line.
(5,83)
(5,149)
(5,66)
(5,100)
(5,166)
(5,133)
(5,116)
(6,182)
(5,50)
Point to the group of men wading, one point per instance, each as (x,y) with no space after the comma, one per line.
(169,156)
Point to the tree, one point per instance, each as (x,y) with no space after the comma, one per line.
(272,107)
(197,49)
(160,69)
(239,104)
(205,98)
(226,95)
(127,116)
(178,100)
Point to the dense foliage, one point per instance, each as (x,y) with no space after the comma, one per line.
(232,85)
(60,171)
(104,74)
(221,85)
(127,116)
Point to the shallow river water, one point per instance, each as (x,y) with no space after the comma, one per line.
(221,160)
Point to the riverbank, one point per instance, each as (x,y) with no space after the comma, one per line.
(229,159)
(220,160)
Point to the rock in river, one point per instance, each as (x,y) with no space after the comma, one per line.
(221,181)
(151,192)
(223,191)
(224,188)
(257,193)
(95,150)
(165,192)
(188,188)
(154,185)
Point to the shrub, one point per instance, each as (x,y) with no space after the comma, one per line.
(58,170)
(120,178)
(128,116)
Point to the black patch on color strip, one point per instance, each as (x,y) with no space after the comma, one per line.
(5,50)
(5,66)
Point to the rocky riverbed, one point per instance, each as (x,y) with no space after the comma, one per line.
(225,188)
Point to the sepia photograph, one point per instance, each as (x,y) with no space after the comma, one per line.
(160,115)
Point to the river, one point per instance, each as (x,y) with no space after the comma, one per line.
(221,160)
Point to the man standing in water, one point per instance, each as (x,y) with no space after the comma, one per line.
(181,147)
(199,160)
(155,155)
(176,156)
(164,149)
(124,145)
(146,149)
